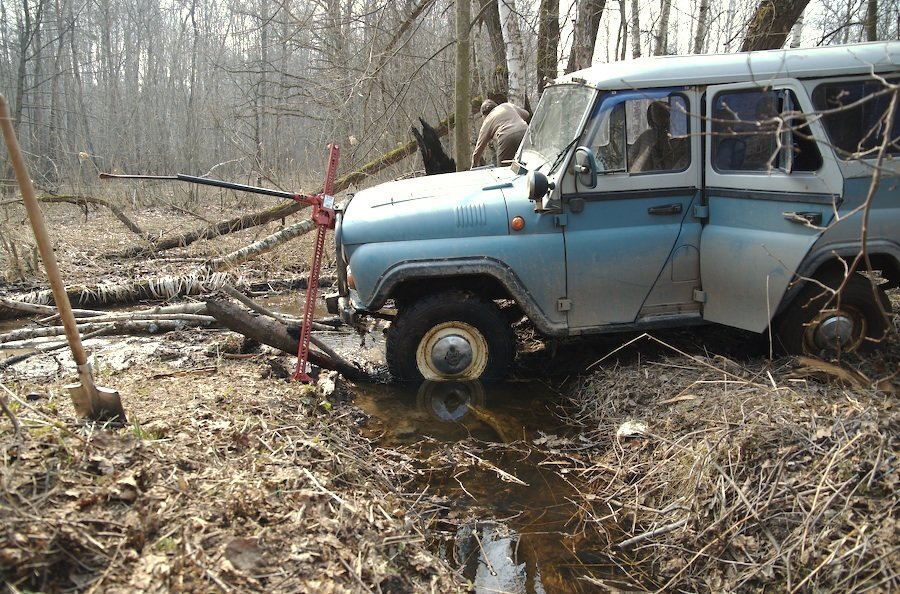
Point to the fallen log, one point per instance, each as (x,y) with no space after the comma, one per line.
(152,326)
(83,201)
(161,288)
(279,211)
(275,334)
(49,310)
(266,244)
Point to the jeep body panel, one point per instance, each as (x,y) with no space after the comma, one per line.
(454,225)
(751,244)
(751,67)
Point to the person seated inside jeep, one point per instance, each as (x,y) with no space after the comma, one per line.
(761,146)
(655,149)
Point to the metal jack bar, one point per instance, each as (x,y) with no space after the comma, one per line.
(322,216)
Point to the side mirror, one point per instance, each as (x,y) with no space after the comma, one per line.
(538,185)
(585,167)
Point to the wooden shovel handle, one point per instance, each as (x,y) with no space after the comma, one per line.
(36,216)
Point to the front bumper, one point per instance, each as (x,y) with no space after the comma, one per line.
(341,306)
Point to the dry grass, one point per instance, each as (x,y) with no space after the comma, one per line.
(747,477)
(226,481)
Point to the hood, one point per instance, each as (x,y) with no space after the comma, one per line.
(464,204)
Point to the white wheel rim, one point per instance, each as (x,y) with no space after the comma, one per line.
(452,351)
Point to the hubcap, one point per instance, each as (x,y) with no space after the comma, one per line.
(452,351)
(839,331)
(451,354)
(834,332)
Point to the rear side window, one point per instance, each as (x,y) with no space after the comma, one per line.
(854,114)
(762,130)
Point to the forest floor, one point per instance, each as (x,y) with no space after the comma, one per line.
(699,463)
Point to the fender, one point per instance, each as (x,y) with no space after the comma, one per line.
(410,270)
(822,253)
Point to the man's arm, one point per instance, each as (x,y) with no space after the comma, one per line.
(484,137)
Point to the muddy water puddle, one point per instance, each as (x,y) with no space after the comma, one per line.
(510,521)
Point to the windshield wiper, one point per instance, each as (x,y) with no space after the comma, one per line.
(560,155)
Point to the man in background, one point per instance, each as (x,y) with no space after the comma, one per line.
(505,124)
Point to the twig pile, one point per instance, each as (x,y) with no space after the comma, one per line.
(733,481)
(230,484)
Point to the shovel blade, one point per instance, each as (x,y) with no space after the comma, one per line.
(97,403)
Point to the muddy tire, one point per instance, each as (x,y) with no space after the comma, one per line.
(455,336)
(816,323)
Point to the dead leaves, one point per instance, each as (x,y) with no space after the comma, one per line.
(235,486)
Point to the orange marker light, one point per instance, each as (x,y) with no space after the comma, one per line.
(517,223)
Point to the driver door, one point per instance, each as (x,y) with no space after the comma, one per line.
(632,242)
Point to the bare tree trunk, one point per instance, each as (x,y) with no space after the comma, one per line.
(622,36)
(26,35)
(515,56)
(700,34)
(587,23)
(662,34)
(462,146)
(797,32)
(771,23)
(635,29)
(729,26)
(498,88)
(547,42)
(872,20)
(79,94)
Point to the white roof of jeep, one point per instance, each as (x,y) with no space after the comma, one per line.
(667,71)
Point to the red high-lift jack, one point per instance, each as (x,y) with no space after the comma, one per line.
(322,216)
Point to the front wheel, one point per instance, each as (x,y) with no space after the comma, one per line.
(457,335)
(819,322)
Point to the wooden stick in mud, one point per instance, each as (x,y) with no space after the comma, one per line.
(275,334)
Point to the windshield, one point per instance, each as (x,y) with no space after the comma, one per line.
(555,124)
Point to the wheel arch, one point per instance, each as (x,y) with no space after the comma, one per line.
(830,260)
(486,276)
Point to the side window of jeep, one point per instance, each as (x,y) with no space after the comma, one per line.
(644,136)
(855,117)
(761,131)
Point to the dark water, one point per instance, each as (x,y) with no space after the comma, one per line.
(510,519)
(512,522)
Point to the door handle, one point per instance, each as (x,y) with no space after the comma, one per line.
(804,218)
(668,209)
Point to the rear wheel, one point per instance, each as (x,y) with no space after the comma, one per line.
(455,335)
(819,322)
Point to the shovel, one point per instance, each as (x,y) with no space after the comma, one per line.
(90,400)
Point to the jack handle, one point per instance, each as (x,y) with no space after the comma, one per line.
(207,181)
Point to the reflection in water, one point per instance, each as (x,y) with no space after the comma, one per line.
(450,401)
(489,551)
(476,442)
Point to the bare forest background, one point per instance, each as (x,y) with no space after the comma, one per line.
(253,90)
